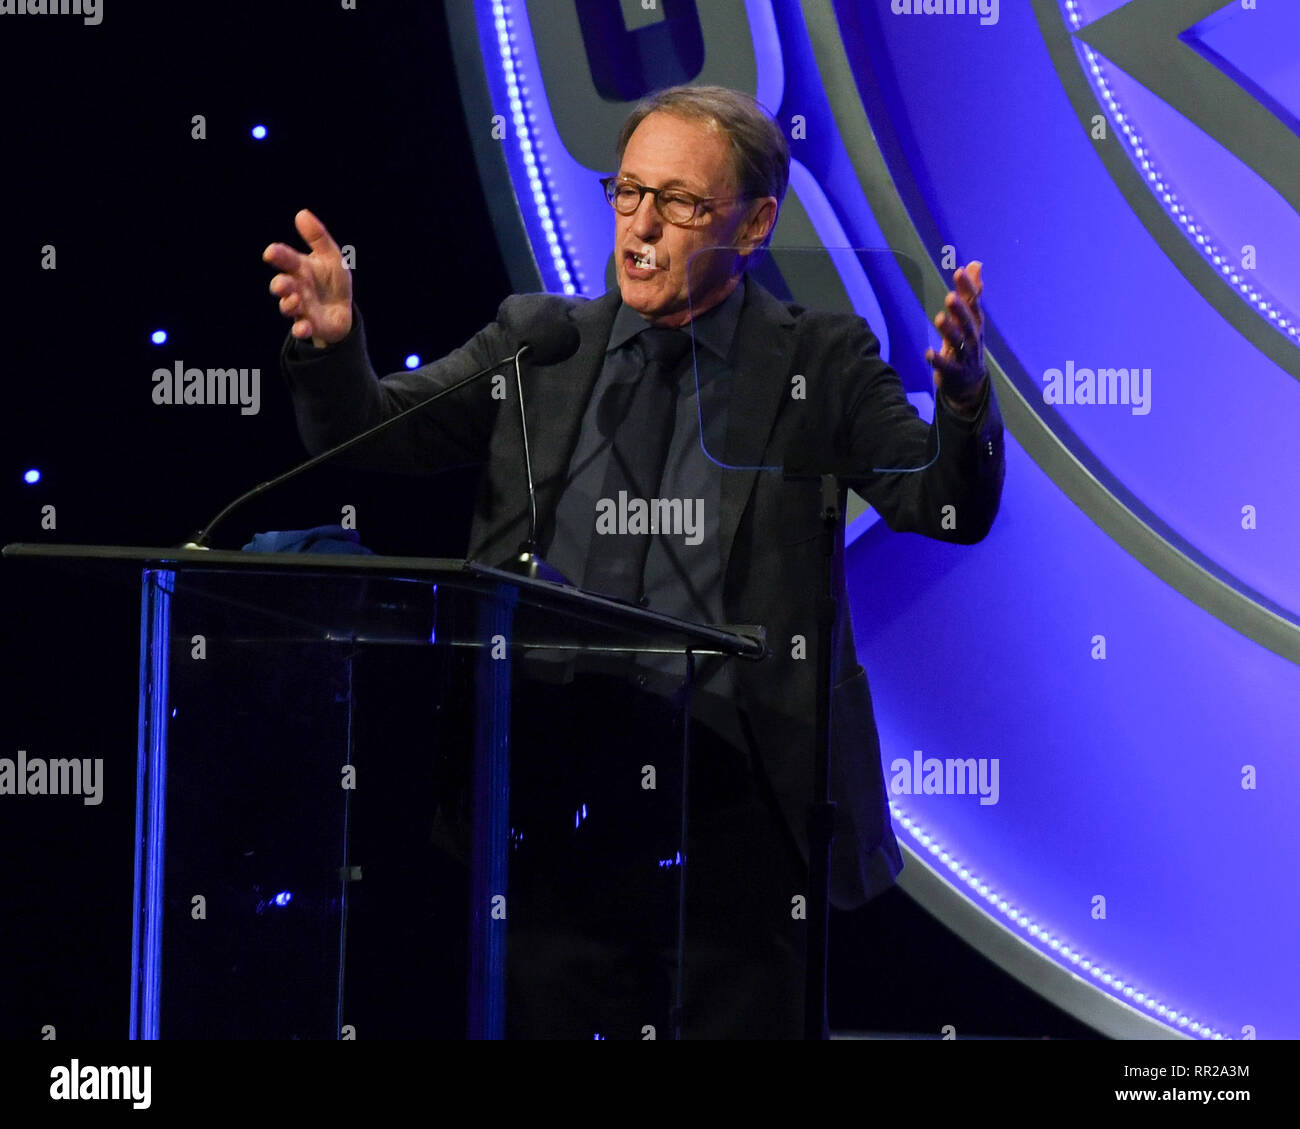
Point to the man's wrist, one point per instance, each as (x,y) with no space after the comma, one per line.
(311,347)
(969,405)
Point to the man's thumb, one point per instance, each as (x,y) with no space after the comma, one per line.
(313,231)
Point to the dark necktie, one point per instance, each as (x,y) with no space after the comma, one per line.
(638,452)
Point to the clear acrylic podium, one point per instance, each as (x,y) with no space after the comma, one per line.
(376,786)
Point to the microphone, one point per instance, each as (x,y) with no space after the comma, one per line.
(548,340)
(556,339)
(547,335)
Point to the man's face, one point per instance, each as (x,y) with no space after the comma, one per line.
(666,151)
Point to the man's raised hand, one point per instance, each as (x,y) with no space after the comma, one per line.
(315,290)
(959,370)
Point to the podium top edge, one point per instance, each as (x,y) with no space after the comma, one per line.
(744,641)
(155,556)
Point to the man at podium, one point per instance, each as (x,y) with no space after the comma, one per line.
(681,390)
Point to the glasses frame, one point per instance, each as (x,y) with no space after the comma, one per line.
(608,182)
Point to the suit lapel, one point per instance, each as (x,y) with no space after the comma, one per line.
(557,400)
(759,383)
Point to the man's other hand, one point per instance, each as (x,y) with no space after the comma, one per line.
(959,368)
(315,290)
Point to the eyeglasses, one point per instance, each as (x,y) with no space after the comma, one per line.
(679,208)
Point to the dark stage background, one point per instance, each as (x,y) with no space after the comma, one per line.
(153,229)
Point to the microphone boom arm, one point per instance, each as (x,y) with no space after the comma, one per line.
(199,540)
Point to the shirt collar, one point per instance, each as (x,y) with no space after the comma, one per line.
(715,329)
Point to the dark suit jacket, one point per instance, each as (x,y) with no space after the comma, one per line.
(852,407)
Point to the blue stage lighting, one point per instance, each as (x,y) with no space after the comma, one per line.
(32,477)
(413,361)
(259,132)
(159,337)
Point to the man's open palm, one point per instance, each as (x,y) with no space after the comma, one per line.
(315,290)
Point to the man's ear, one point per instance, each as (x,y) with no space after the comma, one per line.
(762,219)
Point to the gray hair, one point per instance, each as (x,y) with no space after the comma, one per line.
(760,156)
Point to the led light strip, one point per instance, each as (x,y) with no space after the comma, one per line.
(1044,937)
(1282,319)
(549,213)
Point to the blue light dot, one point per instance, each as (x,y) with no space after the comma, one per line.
(32,477)
(283,898)
(413,361)
(259,132)
(158,337)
